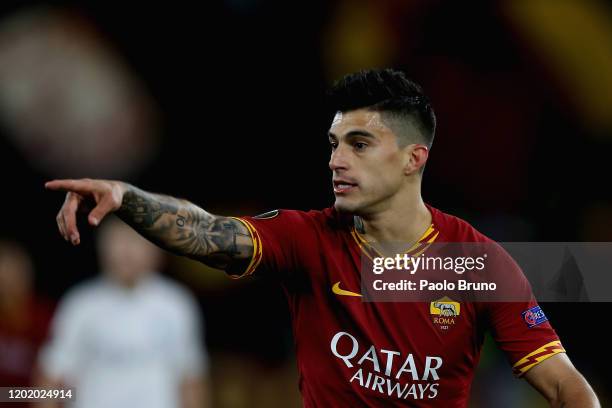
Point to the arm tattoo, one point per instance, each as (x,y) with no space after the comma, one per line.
(185,229)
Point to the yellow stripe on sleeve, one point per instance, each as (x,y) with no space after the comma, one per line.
(536,357)
(257,249)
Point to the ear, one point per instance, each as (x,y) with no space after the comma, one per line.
(416,157)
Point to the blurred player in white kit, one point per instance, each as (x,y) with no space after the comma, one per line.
(128,338)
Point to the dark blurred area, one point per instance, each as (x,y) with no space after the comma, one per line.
(224,105)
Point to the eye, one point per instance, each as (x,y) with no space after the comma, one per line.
(333,145)
(360,145)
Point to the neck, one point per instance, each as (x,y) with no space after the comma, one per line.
(404,220)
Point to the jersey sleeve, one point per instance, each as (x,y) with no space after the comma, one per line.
(520,327)
(278,238)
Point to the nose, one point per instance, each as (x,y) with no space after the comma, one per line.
(338,160)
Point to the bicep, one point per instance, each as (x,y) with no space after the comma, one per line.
(228,243)
(276,244)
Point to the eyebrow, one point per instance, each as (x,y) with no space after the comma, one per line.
(354,133)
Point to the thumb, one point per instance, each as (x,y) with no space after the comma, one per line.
(99,212)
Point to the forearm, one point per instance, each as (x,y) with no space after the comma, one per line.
(575,392)
(184,228)
(561,384)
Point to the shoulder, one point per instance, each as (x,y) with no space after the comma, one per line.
(169,287)
(455,229)
(84,292)
(173,293)
(80,300)
(291,219)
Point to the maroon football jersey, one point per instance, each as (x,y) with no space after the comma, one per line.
(352,353)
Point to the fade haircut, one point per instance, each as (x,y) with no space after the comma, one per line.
(401,102)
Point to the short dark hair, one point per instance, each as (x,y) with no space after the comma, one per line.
(390,92)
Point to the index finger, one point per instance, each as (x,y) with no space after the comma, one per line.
(78,186)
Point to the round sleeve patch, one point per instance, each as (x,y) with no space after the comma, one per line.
(267,215)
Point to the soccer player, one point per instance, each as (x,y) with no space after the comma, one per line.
(128,337)
(352,353)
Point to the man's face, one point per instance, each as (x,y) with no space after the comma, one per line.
(366,161)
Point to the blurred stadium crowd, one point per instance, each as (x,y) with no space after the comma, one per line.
(225,106)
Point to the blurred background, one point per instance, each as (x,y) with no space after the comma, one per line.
(224,105)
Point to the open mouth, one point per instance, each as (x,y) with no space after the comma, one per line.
(343,187)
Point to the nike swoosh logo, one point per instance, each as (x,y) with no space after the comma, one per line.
(336,289)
